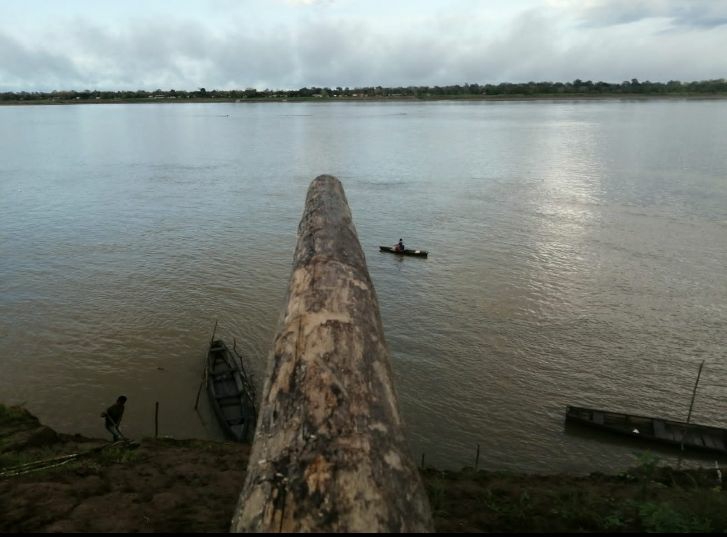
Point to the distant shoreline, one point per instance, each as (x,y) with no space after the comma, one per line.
(256,100)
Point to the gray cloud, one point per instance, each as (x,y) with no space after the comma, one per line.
(19,64)
(693,13)
(186,54)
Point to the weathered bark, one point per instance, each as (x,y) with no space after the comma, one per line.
(329,453)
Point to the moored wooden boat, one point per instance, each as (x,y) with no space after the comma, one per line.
(694,436)
(416,253)
(231,392)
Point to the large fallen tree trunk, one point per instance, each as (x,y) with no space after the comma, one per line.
(329,453)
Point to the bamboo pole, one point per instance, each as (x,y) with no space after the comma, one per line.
(329,453)
(214,330)
(204,370)
(691,405)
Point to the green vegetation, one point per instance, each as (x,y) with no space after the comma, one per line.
(577,88)
(14,421)
(117,455)
(14,459)
(648,498)
(11,416)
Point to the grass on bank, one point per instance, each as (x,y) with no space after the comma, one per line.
(648,498)
(181,475)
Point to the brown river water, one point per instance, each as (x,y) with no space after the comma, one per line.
(577,256)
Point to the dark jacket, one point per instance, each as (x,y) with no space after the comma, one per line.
(115,412)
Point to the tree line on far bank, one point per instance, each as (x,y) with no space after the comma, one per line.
(577,87)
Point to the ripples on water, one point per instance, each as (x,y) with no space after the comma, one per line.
(577,257)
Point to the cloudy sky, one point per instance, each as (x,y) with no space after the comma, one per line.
(186,44)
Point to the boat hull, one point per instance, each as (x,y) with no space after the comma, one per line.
(413,253)
(668,432)
(230,393)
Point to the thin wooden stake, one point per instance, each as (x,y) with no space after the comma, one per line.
(196,403)
(477,457)
(204,370)
(213,333)
(691,405)
(239,356)
(156,421)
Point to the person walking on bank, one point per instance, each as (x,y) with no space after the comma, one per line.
(113,415)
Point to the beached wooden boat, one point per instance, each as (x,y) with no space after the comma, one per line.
(694,436)
(231,392)
(416,253)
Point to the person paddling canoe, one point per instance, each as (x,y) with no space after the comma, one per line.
(400,246)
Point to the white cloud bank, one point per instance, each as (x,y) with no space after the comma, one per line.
(326,43)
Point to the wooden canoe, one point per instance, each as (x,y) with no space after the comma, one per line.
(231,392)
(694,436)
(392,250)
